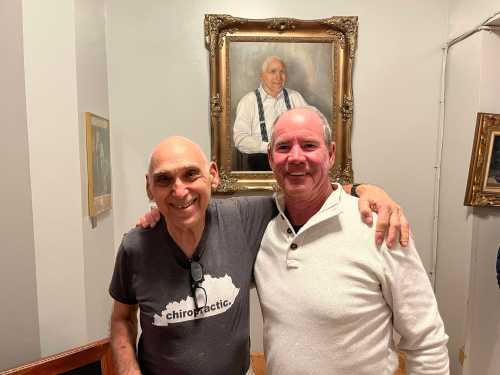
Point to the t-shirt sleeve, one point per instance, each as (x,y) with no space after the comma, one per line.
(120,287)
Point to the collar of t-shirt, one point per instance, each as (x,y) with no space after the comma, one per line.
(179,255)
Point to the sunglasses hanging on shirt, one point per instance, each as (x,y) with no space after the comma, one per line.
(197,277)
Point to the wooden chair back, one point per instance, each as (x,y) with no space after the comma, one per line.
(94,358)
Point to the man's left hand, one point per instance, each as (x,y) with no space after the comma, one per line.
(391,220)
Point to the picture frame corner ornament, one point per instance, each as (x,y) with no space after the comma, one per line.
(227,184)
(282,24)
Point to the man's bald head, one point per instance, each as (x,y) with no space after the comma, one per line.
(180,180)
(178,147)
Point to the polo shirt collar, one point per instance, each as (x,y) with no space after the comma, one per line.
(331,207)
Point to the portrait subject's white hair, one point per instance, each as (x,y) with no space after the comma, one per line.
(268,60)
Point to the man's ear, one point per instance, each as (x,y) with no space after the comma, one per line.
(331,153)
(214,175)
(148,190)
(270,155)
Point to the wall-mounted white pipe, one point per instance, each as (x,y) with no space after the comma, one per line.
(440,135)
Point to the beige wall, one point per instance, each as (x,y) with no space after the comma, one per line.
(19,312)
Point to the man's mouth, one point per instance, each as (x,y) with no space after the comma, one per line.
(297,173)
(183,205)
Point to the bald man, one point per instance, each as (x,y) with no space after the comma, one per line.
(257,110)
(190,274)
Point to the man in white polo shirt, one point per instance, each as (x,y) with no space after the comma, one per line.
(330,297)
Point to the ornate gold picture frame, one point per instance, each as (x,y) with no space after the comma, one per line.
(98,164)
(319,57)
(483,184)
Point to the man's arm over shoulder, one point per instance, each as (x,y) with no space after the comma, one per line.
(416,318)
(123,338)
(391,221)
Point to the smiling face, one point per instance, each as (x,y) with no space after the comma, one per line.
(180,180)
(299,157)
(273,77)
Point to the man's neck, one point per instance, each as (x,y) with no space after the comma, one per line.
(301,209)
(186,238)
(271,93)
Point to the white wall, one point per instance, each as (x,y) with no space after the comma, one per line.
(19,312)
(52,112)
(158,72)
(159,86)
(466,291)
(92,82)
(466,14)
(483,320)
(455,223)
(65,74)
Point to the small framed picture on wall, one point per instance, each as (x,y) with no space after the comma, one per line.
(98,164)
(483,184)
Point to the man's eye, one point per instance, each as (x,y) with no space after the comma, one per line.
(163,180)
(282,148)
(192,174)
(309,146)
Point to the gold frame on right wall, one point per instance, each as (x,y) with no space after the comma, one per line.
(483,184)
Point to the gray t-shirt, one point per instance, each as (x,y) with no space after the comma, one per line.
(153,272)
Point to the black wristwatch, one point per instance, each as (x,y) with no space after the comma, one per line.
(354,193)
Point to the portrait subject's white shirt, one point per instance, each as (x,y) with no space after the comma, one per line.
(246,130)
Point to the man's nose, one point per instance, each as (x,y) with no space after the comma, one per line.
(296,154)
(179,188)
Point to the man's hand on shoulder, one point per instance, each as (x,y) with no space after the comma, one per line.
(391,220)
(149,219)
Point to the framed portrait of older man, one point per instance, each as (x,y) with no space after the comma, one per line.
(259,68)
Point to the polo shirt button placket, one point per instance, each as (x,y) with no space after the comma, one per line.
(292,261)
